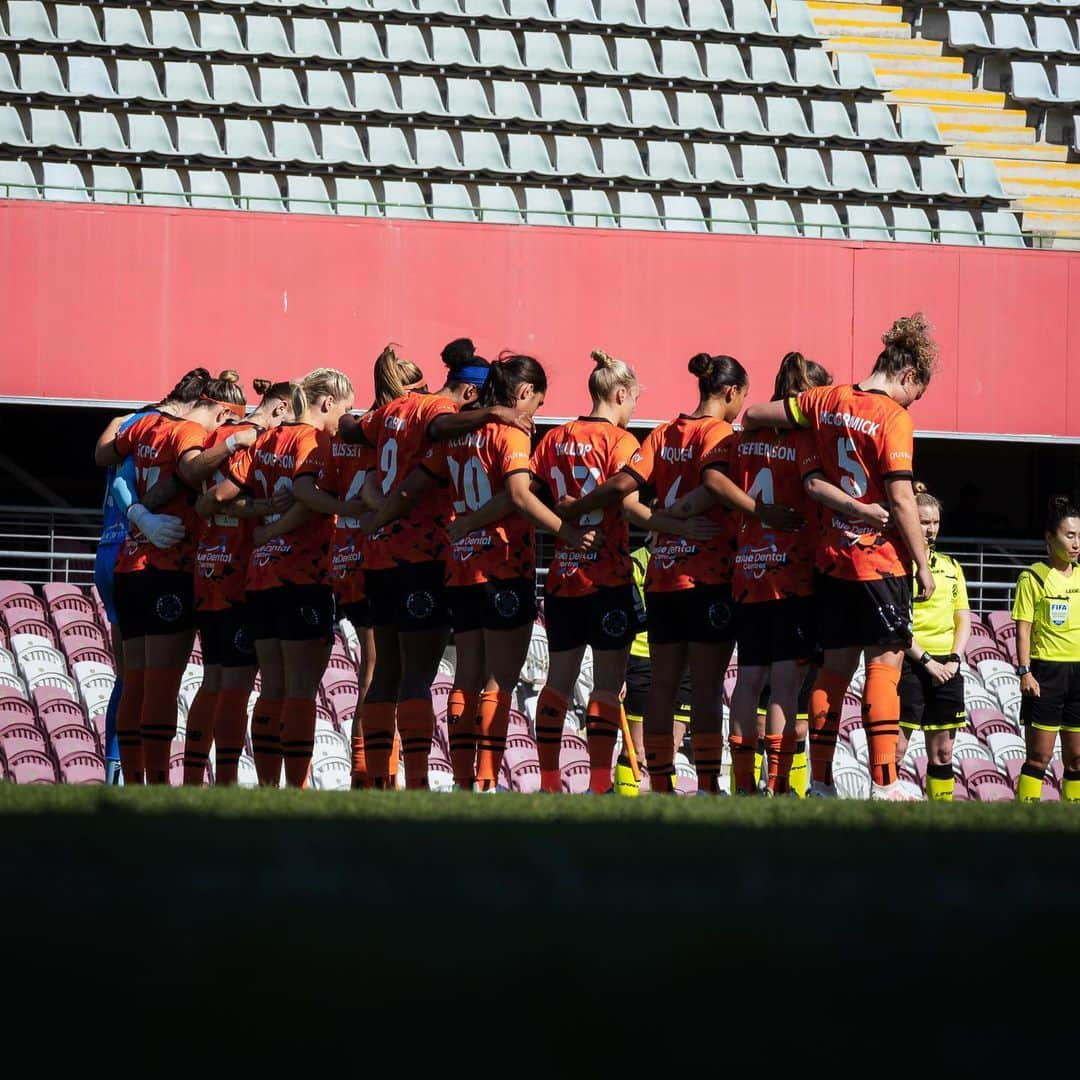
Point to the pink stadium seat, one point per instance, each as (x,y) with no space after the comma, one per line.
(83,769)
(525,777)
(440,737)
(518,721)
(849,721)
(999,621)
(520,748)
(60,596)
(86,653)
(852,703)
(980,632)
(71,741)
(575,777)
(440,694)
(960,791)
(340,664)
(54,706)
(16,597)
(27,623)
(987,722)
(79,624)
(323,714)
(918,765)
(983,650)
(343,704)
(32,767)
(176,763)
(988,788)
(19,737)
(574,748)
(14,708)
(1055,774)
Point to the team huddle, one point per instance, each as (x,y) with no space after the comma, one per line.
(795,538)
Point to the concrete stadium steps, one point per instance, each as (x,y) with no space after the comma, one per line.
(1012,152)
(1039,177)
(897,46)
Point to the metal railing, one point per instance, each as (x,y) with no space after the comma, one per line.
(43,544)
(615,219)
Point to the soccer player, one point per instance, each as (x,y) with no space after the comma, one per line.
(589,596)
(639,681)
(931,686)
(1047,614)
(773,586)
(864,438)
(153,587)
(405,567)
(289,598)
(353,458)
(218,714)
(118,509)
(688,586)
(492,569)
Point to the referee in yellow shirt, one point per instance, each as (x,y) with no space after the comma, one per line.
(931,686)
(1047,614)
(638,682)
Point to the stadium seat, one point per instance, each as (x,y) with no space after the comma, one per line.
(498,205)
(638,210)
(821,220)
(592,208)
(31,767)
(682,213)
(729,216)
(867,223)
(210,191)
(911,225)
(83,769)
(1001,229)
(451,202)
(17,180)
(938,177)
(774,218)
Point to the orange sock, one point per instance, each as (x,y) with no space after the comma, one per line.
(158,720)
(359,755)
(660,761)
(781,751)
(377,725)
(491,742)
(200,734)
(395,761)
(881,720)
(742,764)
(416,726)
(266,741)
(708,750)
(297,739)
(462,724)
(230,727)
(128,735)
(550,718)
(826,700)
(602,722)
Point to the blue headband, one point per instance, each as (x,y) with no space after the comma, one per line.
(474,374)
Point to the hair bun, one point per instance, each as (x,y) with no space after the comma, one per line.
(601,358)
(229,375)
(260,386)
(700,365)
(1060,502)
(920,487)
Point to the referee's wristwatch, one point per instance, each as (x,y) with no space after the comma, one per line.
(1022,670)
(925,659)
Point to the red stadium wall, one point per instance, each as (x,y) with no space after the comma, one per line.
(112,303)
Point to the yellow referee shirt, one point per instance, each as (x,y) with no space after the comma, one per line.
(1050,601)
(640,559)
(934,624)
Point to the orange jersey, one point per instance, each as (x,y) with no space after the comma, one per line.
(158,441)
(277,459)
(571,461)
(224,546)
(399,433)
(672,460)
(477,466)
(863,439)
(350,464)
(772,565)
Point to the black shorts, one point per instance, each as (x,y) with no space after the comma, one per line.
(1057,708)
(225,636)
(409,597)
(704,614)
(862,613)
(154,602)
(606,619)
(775,630)
(505,604)
(638,684)
(292,613)
(924,705)
(359,613)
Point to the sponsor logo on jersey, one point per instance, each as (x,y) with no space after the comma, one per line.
(471,545)
(265,554)
(1059,612)
(208,558)
(666,555)
(755,562)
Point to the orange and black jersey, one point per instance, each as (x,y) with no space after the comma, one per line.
(350,464)
(158,441)
(273,464)
(769,564)
(672,459)
(399,433)
(223,550)
(570,461)
(477,465)
(864,439)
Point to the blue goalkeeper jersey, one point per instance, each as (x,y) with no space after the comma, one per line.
(114,526)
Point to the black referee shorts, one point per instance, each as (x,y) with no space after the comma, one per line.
(926,705)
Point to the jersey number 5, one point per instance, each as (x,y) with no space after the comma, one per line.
(853,479)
